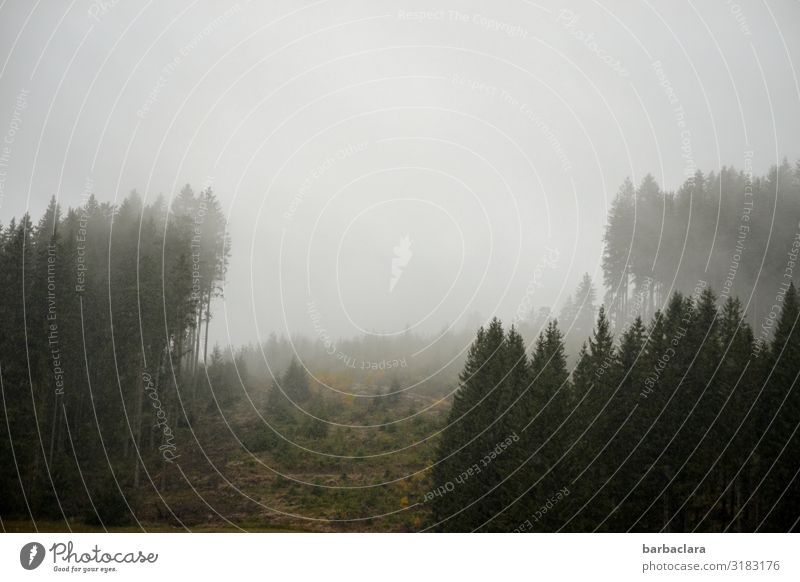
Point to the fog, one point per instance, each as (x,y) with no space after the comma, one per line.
(388,166)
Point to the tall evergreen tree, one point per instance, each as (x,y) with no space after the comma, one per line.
(468,435)
(779,451)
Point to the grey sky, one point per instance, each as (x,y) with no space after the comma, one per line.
(333,130)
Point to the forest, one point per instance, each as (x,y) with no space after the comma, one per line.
(736,231)
(671,404)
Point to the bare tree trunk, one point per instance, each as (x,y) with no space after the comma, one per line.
(197,331)
(624,303)
(195,343)
(190,364)
(208,319)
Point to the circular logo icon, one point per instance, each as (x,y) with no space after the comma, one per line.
(31,555)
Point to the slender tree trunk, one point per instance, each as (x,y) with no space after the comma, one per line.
(190,364)
(198,330)
(208,319)
(157,383)
(624,303)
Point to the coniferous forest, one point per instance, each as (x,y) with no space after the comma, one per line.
(667,401)
(104,315)
(376,267)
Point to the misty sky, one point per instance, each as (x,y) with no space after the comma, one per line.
(394,164)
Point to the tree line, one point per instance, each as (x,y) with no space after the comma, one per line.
(104,316)
(682,424)
(677,418)
(736,230)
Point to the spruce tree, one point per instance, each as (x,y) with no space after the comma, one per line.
(628,371)
(780,450)
(596,417)
(460,476)
(544,443)
(295,382)
(736,390)
(507,468)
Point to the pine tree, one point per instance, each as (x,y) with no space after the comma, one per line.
(617,240)
(507,469)
(578,314)
(695,403)
(596,417)
(629,372)
(459,475)
(547,406)
(295,382)
(780,449)
(735,393)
